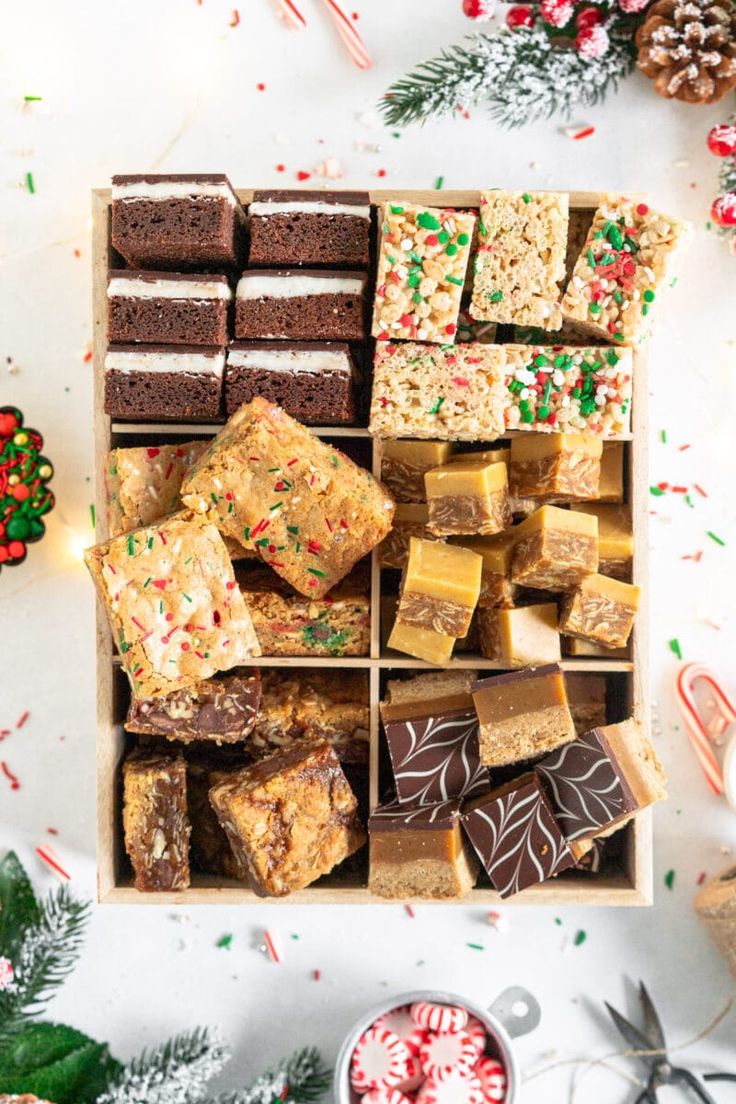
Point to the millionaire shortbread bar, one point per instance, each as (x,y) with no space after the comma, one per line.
(419,852)
(522,714)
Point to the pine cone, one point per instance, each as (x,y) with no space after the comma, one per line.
(688,48)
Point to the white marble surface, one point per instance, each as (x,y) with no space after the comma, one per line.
(170,85)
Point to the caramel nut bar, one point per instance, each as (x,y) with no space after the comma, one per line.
(600,609)
(615,539)
(419,852)
(520,636)
(600,780)
(313,705)
(307,509)
(173,604)
(403,464)
(155,820)
(439,587)
(422,261)
(289,624)
(453,393)
(496,588)
(410,520)
(623,269)
(290,818)
(522,714)
(222,710)
(520,263)
(468,497)
(554,549)
(514,831)
(210,850)
(143,484)
(566,389)
(564,466)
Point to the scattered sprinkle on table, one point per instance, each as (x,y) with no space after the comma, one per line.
(48,856)
(716,538)
(225,941)
(30,184)
(669,879)
(580,938)
(475,946)
(674,646)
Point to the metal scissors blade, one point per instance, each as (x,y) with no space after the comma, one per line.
(633,1037)
(652,1022)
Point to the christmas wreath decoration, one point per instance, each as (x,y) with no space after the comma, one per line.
(563,55)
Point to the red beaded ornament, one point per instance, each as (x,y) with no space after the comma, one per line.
(722,140)
(592,42)
(519,16)
(24,496)
(588,17)
(480,10)
(723,210)
(557,13)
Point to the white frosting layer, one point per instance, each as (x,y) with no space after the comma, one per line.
(313,207)
(133,288)
(173,189)
(187,363)
(291,287)
(290,360)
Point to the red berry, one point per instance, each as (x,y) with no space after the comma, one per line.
(722,140)
(723,210)
(557,13)
(519,16)
(8,423)
(587,17)
(592,42)
(477,9)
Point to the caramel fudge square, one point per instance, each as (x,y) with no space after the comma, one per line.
(419,852)
(521,635)
(403,464)
(176,221)
(155,820)
(422,261)
(290,818)
(310,228)
(522,714)
(173,605)
(615,539)
(143,483)
(410,520)
(308,510)
(301,304)
(623,269)
(439,587)
(468,497)
(453,393)
(600,609)
(167,308)
(559,466)
(520,263)
(496,588)
(432,647)
(164,383)
(555,549)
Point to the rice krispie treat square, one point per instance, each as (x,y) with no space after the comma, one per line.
(520,263)
(422,261)
(624,266)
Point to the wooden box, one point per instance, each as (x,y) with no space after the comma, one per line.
(630,883)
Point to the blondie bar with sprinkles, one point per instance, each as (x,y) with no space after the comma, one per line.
(438,392)
(173,604)
(520,263)
(307,509)
(565,389)
(625,265)
(143,483)
(422,261)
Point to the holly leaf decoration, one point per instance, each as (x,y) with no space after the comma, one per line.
(56,1063)
(19,909)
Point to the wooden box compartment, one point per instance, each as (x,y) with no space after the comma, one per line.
(625,878)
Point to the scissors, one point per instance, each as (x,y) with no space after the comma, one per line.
(661,1070)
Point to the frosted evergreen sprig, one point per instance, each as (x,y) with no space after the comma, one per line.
(47,954)
(302,1080)
(178,1072)
(522,75)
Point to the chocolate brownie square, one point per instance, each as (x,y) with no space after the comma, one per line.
(177,221)
(302,305)
(163,383)
(311,381)
(310,228)
(167,308)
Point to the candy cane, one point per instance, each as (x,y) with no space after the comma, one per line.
(700,738)
(291,14)
(354,43)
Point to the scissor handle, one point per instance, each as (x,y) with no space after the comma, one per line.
(685,1077)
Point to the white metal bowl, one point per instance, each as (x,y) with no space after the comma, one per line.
(515,1012)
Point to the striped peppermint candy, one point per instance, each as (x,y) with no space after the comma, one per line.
(379,1060)
(413,1076)
(439,1017)
(385,1096)
(477,1033)
(492,1077)
(448,1053)
(451,1090)
(400,1021)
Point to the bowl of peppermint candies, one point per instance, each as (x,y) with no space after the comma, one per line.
(432,1047)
